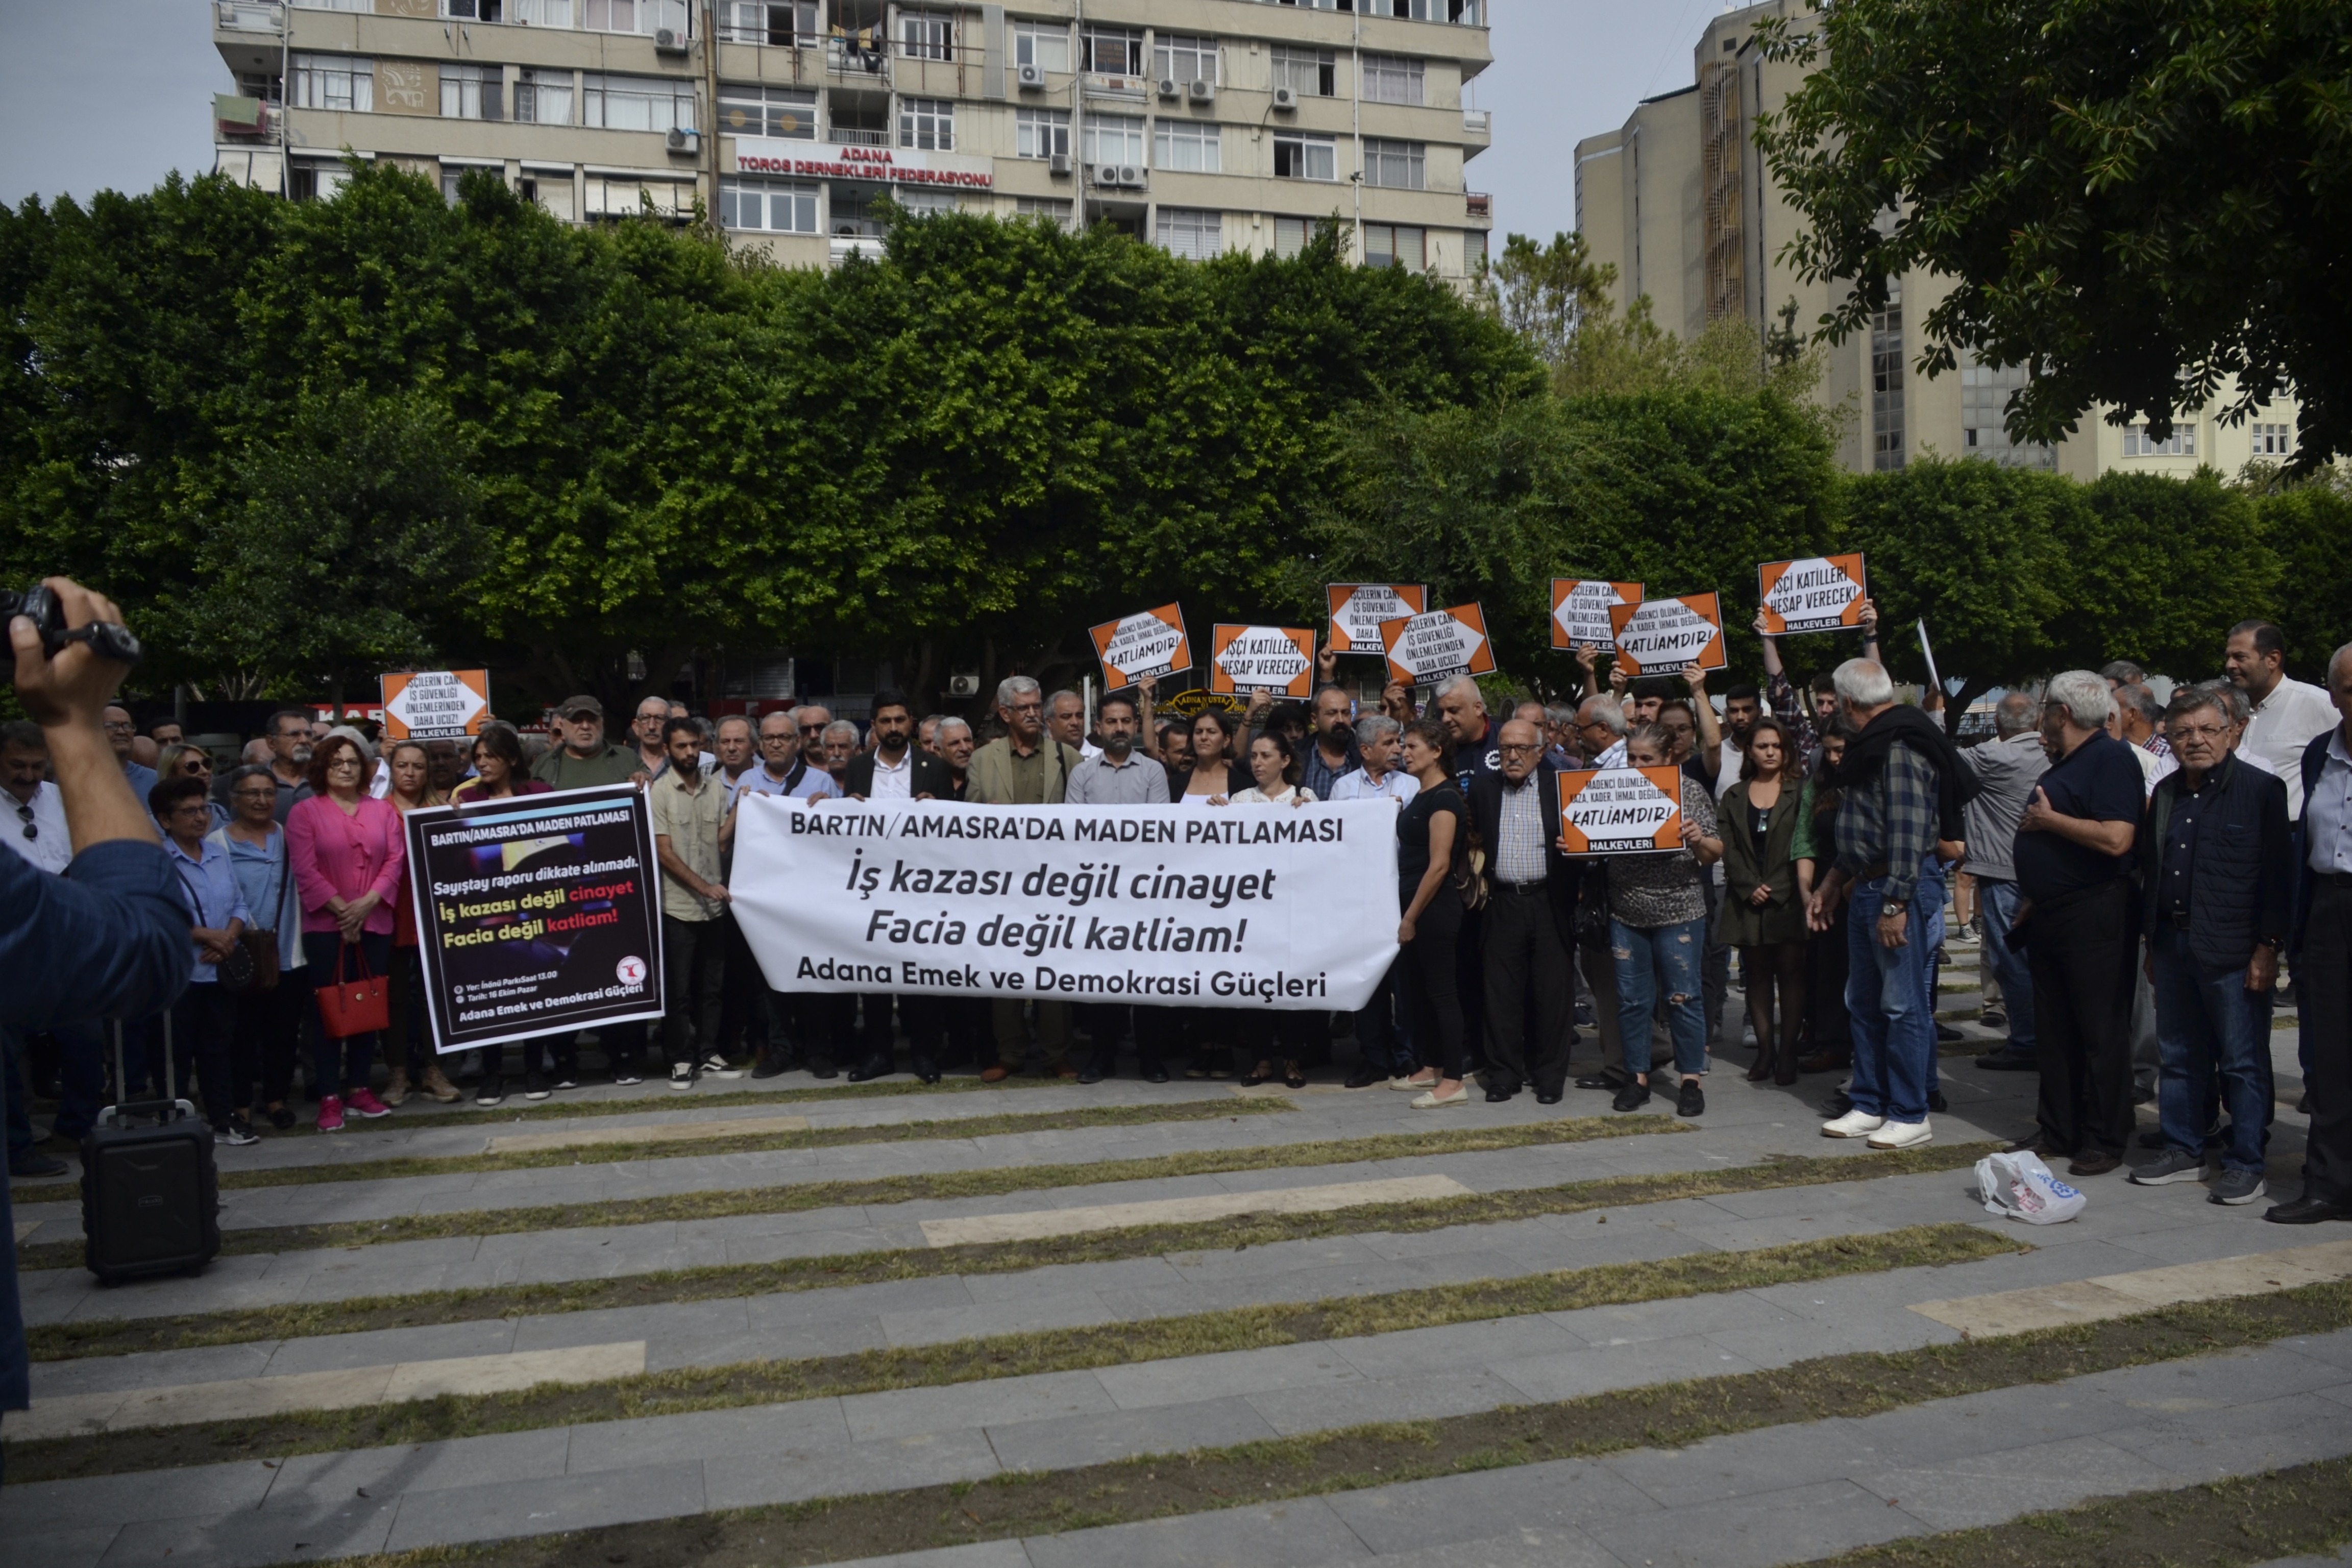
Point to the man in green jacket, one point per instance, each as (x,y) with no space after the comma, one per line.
(583,758)
(1025,767)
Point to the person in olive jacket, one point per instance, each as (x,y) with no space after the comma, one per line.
(1768,879)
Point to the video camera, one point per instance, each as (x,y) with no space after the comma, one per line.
(105,638)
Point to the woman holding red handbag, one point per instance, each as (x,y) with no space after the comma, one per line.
(349,857)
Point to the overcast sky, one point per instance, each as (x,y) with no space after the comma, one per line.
(97,93)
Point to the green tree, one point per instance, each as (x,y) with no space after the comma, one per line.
(2157,572)
(2310,526)
(2138,202)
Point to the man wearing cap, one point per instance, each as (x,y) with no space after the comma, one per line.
(584,759)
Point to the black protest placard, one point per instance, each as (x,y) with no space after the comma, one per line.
(536,915)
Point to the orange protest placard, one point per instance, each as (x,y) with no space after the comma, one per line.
(1359,608)
(1437,644)
(1667,634)
(435,704)
(1580,606)
(1141,647)
(1621,811)
(1262,659)
(1816,593)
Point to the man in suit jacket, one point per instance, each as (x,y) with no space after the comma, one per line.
(894,769)
(1530,924)
(1025,767)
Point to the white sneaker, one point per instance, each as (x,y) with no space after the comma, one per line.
(715,1065)
(681,1075)
(1902,1135)
(1853,1125)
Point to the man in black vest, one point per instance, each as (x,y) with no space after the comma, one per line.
(2216,868)
(1530,920)
(2322,951)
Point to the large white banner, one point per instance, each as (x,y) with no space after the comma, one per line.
(1254,906)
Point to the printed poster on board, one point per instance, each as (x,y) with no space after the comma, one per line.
(1819,593)
(1662,636)
(1437,646)
(1142,647)
(1621,811)
(536,915)
(1580,606)
(1359,608)
(435,704)
(1262,659)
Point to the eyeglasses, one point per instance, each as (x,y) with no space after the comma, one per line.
(812,729)
(197,765)
(346,761)
(1519,750)
(25,815)
(118,726)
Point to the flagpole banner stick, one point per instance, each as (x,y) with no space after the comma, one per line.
(1262,659)
(1818,593)
(1359,608)
(1580,606)
(1664,635)
(1438,645)
(1142,647)
(1621,811)
(1933,681)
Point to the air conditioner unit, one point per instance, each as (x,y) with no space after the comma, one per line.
(679,140)
(1131,175)
(1286,98)
(1107,174)
(1032,78)
(1202,92)
(1170,87)
(966,685)
(668,41)
(1058,164)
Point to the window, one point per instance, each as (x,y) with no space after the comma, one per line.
(472,93)
(926,35)
(1046,44)
(1185,59)
(1191,233)
(1474,251)
(783,24)
(2274,440)
(1306,158)
(316,182)
(335,81)
(1393,78)
(2181,443)
(543,97)
(1114,139)
(1041,132)
(544,14)
(637,103)
(1291,235)
(1045,207)
(647,16)
(1110,51)
(1187,144)
(1399,165)
(1310,73)
(771,207)
(920,201)
(471,11)
(1985,394)
(618,198)
(1396,244)
(767,112)
(927,122)
(550,189)
(1887,381)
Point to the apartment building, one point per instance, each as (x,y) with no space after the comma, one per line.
(1679,200)
(1201,125)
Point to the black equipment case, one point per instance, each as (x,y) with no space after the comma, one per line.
(149,1194)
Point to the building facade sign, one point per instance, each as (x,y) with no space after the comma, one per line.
(886,165)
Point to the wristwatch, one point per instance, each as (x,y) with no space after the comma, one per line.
(1895,907)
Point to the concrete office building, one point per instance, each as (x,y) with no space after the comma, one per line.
(1202,125)
(1679,200)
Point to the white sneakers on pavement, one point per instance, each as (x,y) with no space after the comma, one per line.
(1902,1135)
(1853,1125)
(681,1075)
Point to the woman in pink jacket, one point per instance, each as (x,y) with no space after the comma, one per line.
(349,857)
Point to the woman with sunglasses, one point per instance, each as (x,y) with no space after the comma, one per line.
(348,856)
(180,760)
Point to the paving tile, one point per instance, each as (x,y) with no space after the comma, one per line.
(500,1511)
(1790,1526)
(750,1478)
(422,1467)
(981,1555)
(1417,1352)
(1325,1408)
(98,1374)
(1748,1464)
(912,1411)
(74,1547)
(335,1352)
(1299,1533)
(1673,1318)
(2242,1439)
(1988,1488)
(1147,1384)
(2214,1382)
(1421,1515)
(192,1492)
(801,1423)
(1074,1441)
(1525,1548)
(944,1325)
(1571,1375)
(348,1525)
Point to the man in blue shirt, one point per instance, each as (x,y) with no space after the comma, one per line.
(109,938)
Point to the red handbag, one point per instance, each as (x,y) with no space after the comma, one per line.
(360,1007)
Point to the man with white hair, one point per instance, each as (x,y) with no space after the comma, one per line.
(1600,731)
(2322,950)
(1025,766)
(1903,790)
(2073,859)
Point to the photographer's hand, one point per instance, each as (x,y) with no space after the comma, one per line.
(64,694)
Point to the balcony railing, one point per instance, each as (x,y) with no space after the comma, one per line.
(1478,204)
(849,136)
(643,18)
(248,17)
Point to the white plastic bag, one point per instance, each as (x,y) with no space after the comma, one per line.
(2021,1187)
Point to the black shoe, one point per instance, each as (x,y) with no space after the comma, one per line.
(1611,1078)
(2308,1210)
(2094,1162)
(1155,1073)
(1631,1097)
(1498,1095)
(871,1069)
(925,1071)
(1837,1104)
(2302,1107)
(1937,1103)
(2007,1061)
(1363,1077)
(492,1091)
(1945,1035)
(770,1064)
(1091,1074)
(31,1164)
(823,1069)
(281,1118)
(534,1085)
(2152,1139)
(1548,1096)
(1691,1100)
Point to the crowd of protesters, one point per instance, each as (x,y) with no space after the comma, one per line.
(2135,869)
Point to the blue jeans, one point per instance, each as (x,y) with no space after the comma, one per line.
(1669,960)
(2000,901)
(2210,1028)
(1893,1015)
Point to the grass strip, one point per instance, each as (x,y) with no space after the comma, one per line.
(2303,1510)
(1668,1416)
(121,1336)
(1003,1355)
(652,1147)
(801,1196)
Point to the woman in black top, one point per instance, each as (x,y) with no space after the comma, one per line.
(1765,886)
(1433,835)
